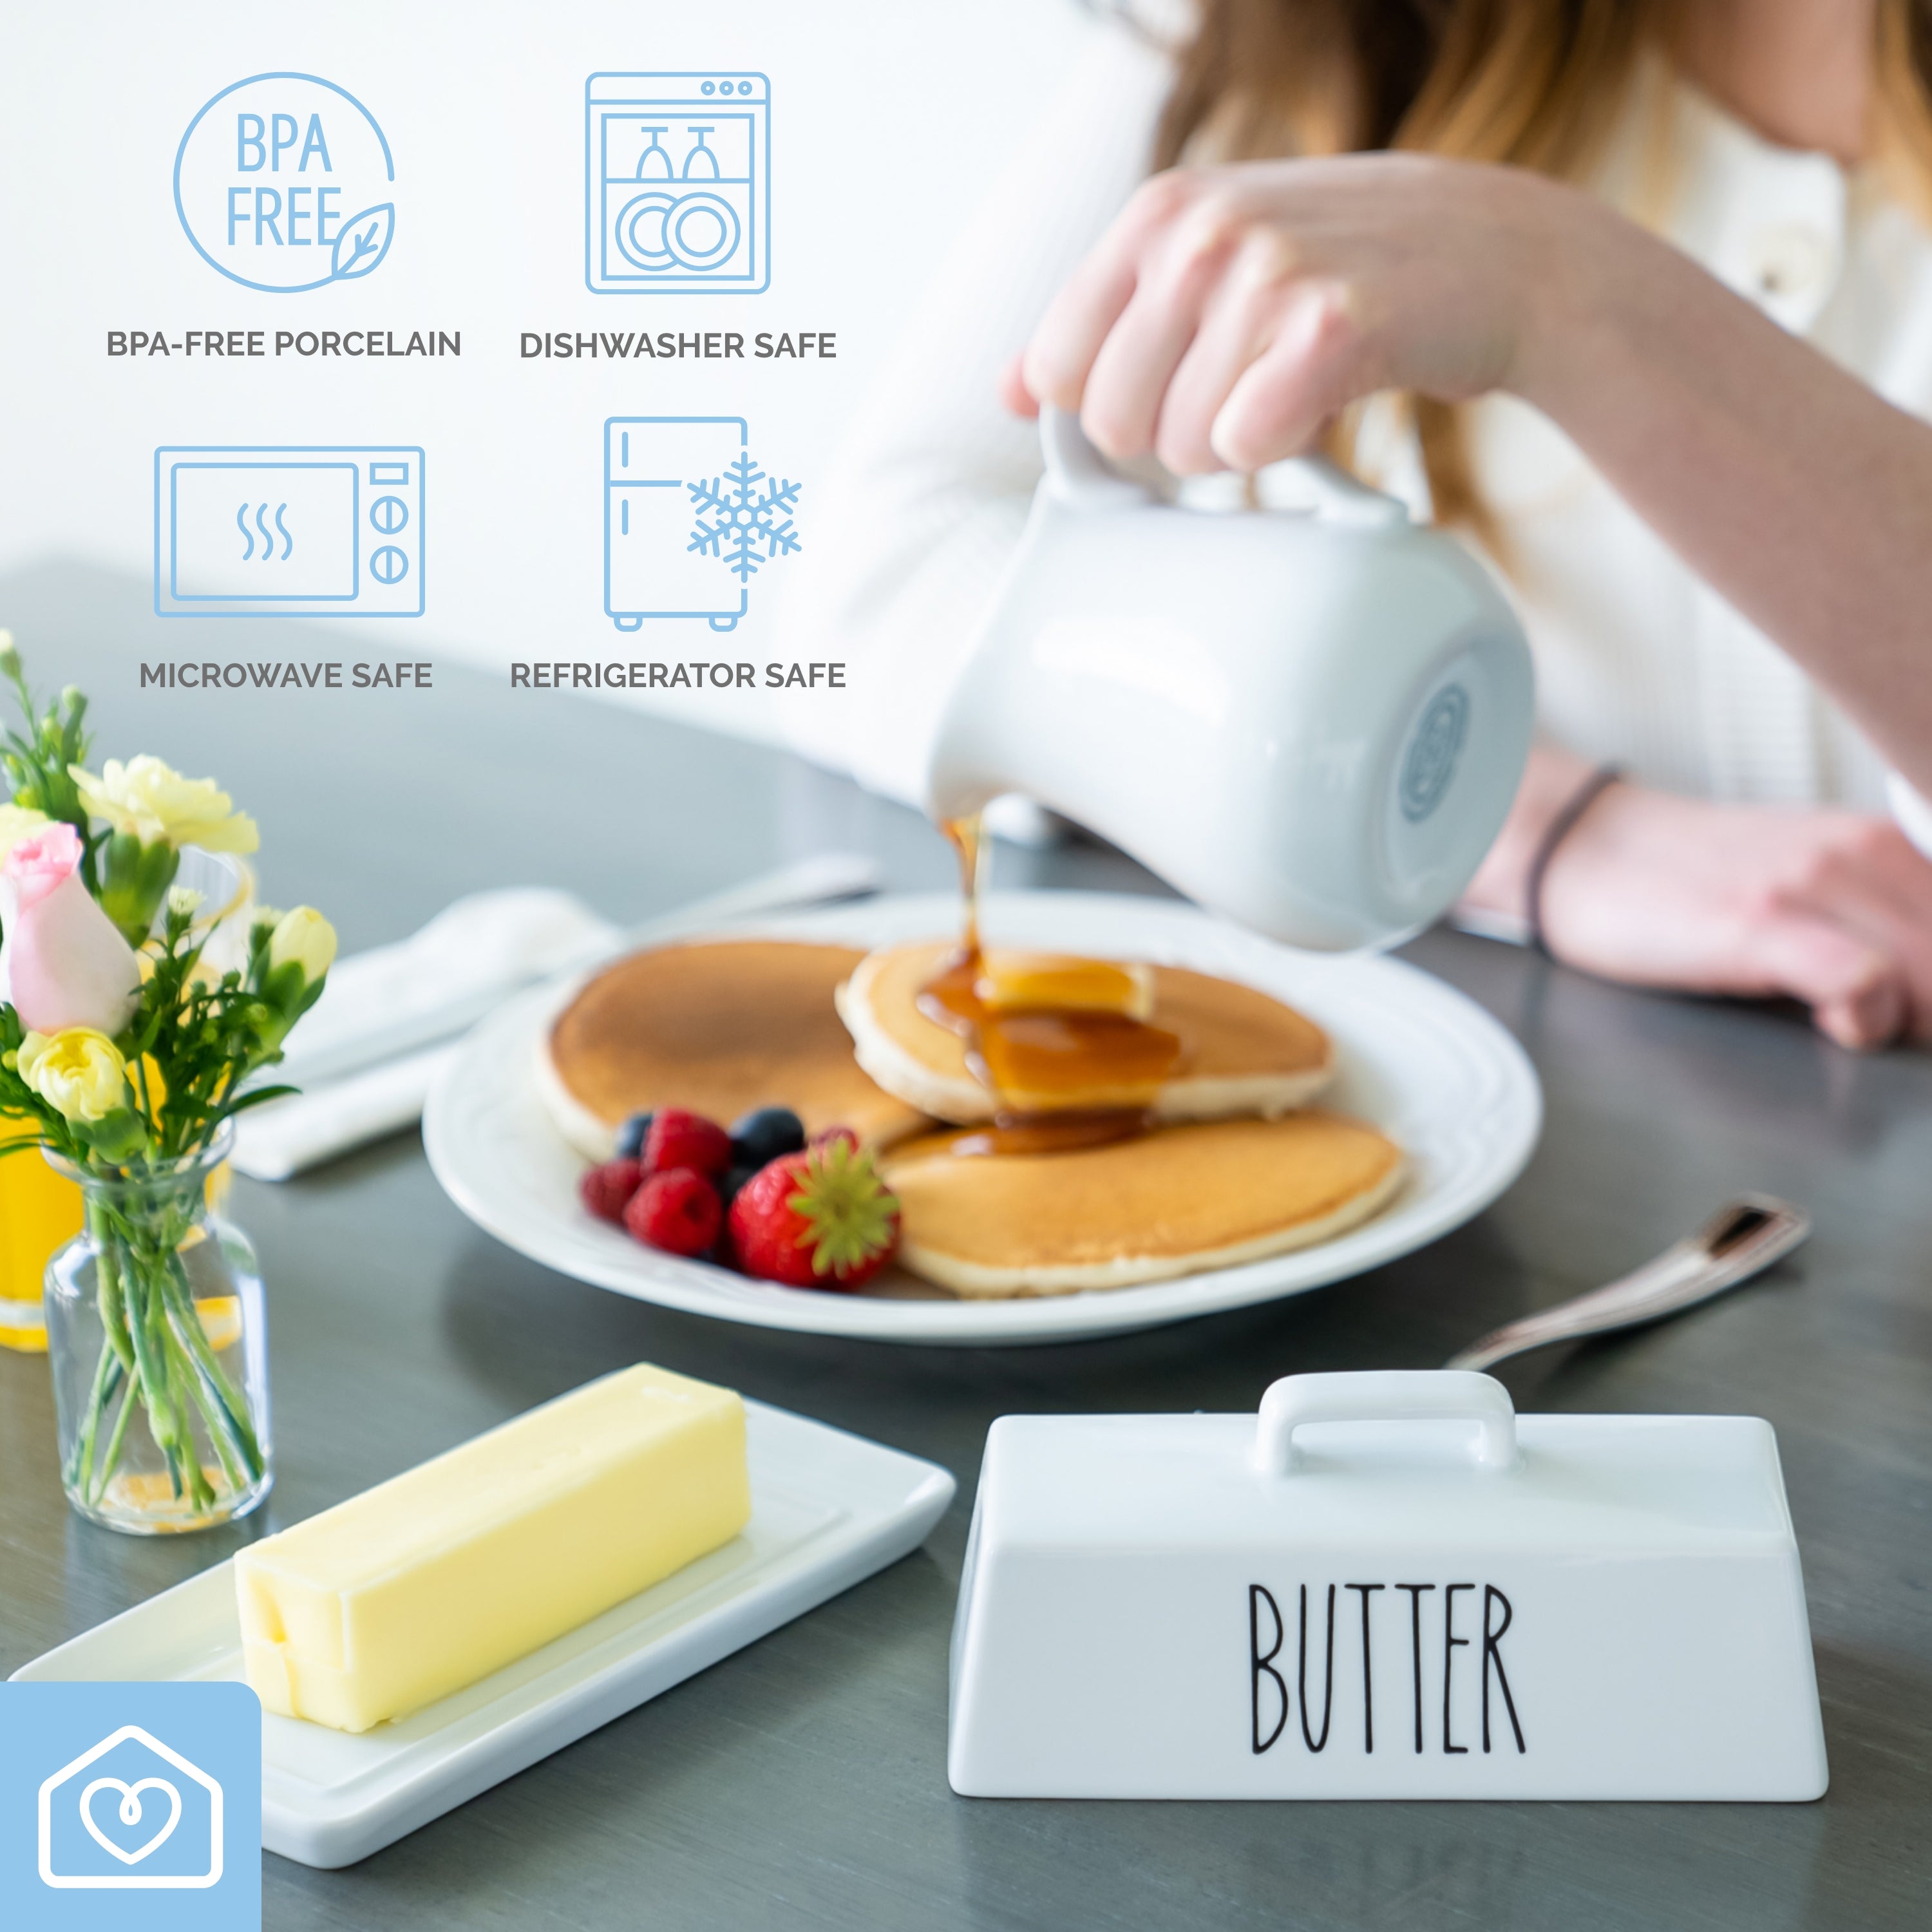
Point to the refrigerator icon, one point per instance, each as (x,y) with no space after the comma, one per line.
(689,519)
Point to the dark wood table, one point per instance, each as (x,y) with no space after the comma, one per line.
(803,1780)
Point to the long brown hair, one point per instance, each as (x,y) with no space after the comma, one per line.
(1536,83)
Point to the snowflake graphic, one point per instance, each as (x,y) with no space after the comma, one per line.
(733,516)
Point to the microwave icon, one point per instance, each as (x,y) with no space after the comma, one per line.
(289,532)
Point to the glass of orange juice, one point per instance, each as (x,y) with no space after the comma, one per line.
(40,1211)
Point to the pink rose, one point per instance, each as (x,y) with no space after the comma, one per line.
(63,965)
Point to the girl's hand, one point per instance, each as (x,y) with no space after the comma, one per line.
(1230,311)
(1827,906)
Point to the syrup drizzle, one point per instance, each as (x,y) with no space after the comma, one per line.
(1055,1058)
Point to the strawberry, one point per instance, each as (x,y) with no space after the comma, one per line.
(827,1137)
(605,1190)
(677,1211)
(677,1138)
(821,1219)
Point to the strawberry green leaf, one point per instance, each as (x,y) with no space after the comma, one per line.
(847,1214)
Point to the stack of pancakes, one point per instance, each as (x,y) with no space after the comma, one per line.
(1235,1167)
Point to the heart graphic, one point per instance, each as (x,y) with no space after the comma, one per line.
(130,1810)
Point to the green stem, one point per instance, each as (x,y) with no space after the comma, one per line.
(112,1301)
(80,1460)
(150,1376)
(186,1381)
(173,1392)
(227,1413)
(111,1460)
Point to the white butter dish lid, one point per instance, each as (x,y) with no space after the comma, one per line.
(1653,1482)
(1396,1552)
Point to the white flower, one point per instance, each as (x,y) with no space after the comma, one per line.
(305,937)
(184,901)
(153,802)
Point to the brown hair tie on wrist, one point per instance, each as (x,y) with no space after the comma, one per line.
(1559,828)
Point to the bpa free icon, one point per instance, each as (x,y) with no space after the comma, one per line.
(284,182)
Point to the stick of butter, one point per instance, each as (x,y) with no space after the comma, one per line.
(452,1569)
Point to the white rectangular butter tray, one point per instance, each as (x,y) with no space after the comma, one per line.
(1386,1585)
(828,1510)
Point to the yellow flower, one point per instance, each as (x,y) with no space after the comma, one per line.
(79,1072)
(18,822)
(153,802)
(305,937)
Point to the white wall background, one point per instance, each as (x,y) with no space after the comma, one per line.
(887,117)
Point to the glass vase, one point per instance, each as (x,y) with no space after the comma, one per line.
(156,1337)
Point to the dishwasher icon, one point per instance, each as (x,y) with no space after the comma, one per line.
(677,184)
(690,518)
(278,531)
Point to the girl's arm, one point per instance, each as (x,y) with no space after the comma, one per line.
(908,537)
(1787,485)
(1230,311)
(1828,906)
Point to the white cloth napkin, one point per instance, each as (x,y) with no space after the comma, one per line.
(286,1137)
(363,1057)
(383,1002)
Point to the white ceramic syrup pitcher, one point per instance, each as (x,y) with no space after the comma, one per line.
(1313,722)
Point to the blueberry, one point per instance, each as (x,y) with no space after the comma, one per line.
(630,1137)
(729,1183)
(765,1133)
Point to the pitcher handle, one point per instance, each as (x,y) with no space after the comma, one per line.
(1340,498)
(1078,474)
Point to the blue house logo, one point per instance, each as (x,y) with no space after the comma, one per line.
(130,1821)
(108,1789)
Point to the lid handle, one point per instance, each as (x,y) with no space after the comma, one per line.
(1387,1395)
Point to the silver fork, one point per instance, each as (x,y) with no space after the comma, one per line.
(1741,1240)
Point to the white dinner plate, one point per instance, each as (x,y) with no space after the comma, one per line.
(828,1509)
(1418,1060)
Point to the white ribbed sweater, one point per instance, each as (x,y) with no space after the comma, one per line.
(1638,661)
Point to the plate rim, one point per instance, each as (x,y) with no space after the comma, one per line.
(1020,1321)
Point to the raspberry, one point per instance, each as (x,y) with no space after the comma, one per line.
(605,1190)
(821,1219)
(677,1211)
(677,1138)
